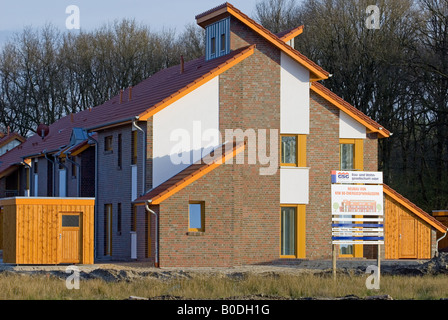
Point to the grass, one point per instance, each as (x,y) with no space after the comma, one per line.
(38,287)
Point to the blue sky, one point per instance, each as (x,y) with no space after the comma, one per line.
(15,15)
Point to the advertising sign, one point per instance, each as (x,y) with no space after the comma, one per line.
(357,177)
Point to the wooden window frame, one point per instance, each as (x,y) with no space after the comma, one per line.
(202,229)
(300,236)
(301,140)
(358,164)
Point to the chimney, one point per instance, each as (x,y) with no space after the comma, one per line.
(130,93)
(182,64)
(71,117)
(9,130)
(121,96)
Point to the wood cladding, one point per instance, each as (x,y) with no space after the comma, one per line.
(33,232)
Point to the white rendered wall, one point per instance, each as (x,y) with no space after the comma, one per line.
(349,128)
(294,185)
(193,114)
(294,97)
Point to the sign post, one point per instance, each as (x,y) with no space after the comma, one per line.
(357,210)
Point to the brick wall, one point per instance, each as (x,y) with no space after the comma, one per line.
(322,157)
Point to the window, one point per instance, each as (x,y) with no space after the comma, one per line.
(134,218)
(74,171)
(288,231)
(196,216)
(352,154)
(213,45)
(108,229)
(108,143)
(119,218)
(119,152)
(351,159)
(70,221)
(293,232)
(35,166)
(223,42)
(293,150)
(134,147)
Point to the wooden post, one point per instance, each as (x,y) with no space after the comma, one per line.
(379,265)
(334,261)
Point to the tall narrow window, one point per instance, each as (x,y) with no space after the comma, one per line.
(119,152)
(213,45)
(119,218)
(134,149)
(74,171)
(196,216)
(288,231)
(223,42)
(108,229)
(347,157)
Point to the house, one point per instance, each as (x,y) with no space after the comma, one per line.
(219,161)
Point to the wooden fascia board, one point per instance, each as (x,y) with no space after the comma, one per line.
(80,150)
(413,210)
(165,195)
(196,84)
(334,102)
(291,35)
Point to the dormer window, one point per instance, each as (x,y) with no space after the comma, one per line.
(217,39)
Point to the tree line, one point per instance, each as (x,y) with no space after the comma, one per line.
(396,74)
(46,74)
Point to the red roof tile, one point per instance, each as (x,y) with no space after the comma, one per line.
(145,95)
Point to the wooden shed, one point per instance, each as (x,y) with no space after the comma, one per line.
(48,230)
(410,232)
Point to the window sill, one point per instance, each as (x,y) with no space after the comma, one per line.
(195,233)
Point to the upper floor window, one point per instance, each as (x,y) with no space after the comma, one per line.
(293,150)
(108,143)
(217,39)
(196,216)
(351,154)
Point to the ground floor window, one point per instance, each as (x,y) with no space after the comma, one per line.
(293,231)
(196,216)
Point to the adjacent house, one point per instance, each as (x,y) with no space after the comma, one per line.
(219,161)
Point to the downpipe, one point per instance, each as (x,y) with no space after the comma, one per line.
(156,262)
(437,243)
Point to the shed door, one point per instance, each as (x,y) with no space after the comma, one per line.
(407,238)
(70,237)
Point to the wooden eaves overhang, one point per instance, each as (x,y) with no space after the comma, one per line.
(316,72)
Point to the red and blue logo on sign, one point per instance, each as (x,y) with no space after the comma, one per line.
(339,175)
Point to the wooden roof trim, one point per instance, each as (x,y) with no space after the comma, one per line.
(196,175)
(197,83)
(336,102)
(414,209)
(292,34)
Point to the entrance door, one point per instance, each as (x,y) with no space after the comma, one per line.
(70,237)
(407,238)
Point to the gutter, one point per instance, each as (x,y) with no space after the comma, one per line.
(134,124)
(109,124)
(156,261)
